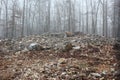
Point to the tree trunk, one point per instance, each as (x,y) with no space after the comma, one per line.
(80,18)
(69,15)
(23,19)
(48,18)
(13,22)
(87,16)
(117,44)
(105,18)
(6,29)
(118,32)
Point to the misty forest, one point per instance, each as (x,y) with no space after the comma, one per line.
(59,40)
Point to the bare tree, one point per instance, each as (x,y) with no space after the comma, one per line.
(69,15)
(73,21)
(105,18)
(58,17)
(6,17)
(39,18)
(80,14)
(94,11)
(116,19)
(48,16)
(0,9)
(118,30)
(23,18)
(117,44)
(87,15)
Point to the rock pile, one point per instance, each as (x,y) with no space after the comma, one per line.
(52,41)
(54,57)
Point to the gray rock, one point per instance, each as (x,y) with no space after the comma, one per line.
(96,74)
(35,46)
(76,48)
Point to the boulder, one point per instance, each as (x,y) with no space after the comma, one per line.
(35,46)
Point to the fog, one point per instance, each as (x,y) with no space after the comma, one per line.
(40,16)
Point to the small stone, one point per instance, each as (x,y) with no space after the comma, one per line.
(17,53)
(112,69)
(19,63)
(76,48)
(104,72)
(68,47)
(96,74)
(102,78)
(63,73)
(63,76)
(62,60)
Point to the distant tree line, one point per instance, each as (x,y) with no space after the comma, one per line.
(29,17)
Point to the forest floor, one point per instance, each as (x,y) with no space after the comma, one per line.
(81,57)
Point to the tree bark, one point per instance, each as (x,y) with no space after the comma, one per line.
(23,19)
(6,9)
(87,15)
(117,44)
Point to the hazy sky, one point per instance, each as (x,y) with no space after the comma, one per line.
(20,2)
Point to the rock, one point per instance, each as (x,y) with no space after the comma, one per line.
(73,41)
(112,69)
(104,73)
(19,63)
(96,74)
(76,48)
(46,47)
(68,47)
(51,64)
(17,53)
(62,60)
(35,46)
(63,76)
